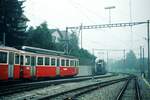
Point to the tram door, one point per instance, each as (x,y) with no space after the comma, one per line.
(58,66)
(33,65)
(22,64)
(11,65)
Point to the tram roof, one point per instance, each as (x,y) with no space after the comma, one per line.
(6,48)
(46,52)
(33,50)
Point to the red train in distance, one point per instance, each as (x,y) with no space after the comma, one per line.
(34,63)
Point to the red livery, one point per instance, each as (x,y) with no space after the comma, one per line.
(31,62)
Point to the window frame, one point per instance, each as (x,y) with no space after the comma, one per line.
(64,64)
(22,64)
(7,57)
(71,63)
(25,60)
(52,58)
(45,61)
(15,59)
(58,64)
(67,64)
(34,63)
(42,61)
(77,63)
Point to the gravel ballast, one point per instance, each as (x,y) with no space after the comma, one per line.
(105,93)
(53,89)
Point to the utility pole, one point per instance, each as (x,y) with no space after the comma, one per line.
(4,37)
(141,59)
(130,10)
(107,57)
(81,34)
(124,55)
(93,60)
(109,8)
(148,62)
(66,41)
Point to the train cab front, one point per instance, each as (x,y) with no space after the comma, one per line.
(3,65)
(9,64)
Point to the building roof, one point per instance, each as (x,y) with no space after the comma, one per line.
(54,30)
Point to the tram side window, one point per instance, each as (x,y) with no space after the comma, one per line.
(27,61)
(46,61)
(16,58)
(67,62)
(52,61)
(62,62)
(75,63)
(71,63)
(40,60)
(3,57)
(33,61)
(58,62)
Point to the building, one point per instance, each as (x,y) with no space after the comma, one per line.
(56,35)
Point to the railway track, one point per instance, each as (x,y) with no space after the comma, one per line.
(16,88)
(130,91)
(13,82)
(75,93)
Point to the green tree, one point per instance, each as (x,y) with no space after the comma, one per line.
(131,60)
(40,37)
(12,22)
(131,64)
(73,43)
(84,56)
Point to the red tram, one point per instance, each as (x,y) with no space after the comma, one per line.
(35,63)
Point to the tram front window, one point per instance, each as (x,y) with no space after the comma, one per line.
(3,57)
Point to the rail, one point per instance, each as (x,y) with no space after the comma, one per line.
(74,93)
(6,90)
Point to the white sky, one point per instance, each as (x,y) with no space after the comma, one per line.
(62,13)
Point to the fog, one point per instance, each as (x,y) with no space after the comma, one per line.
(65,13)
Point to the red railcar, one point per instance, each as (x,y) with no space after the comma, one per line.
(36,63)
(9,63)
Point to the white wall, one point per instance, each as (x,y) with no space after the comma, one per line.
(84,70)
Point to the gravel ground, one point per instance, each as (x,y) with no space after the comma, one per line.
(53,89)
(145,90)
(130,91)
(106,93)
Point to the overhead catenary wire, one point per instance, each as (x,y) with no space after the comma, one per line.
(88,10)
(78,8)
